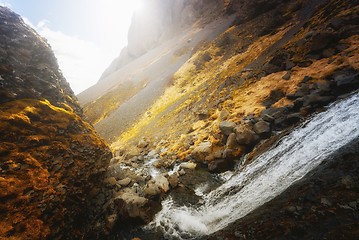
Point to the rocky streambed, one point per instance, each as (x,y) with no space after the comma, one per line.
(194,209)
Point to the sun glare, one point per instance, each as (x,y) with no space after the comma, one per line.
(136,5)
(114,18)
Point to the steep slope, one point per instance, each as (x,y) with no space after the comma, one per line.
(270,67)
(275,69)
(52,162)
(125,94)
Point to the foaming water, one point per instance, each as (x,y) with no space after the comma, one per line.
(266,177)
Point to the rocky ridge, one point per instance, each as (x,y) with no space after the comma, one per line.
(52,162)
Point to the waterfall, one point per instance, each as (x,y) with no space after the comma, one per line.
(267,176)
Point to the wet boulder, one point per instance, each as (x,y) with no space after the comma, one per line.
(315,99)
(188,165)
(162,182)
(151,189)
(244,135)
(173,179)
(220,165)
(262,128)
(124,182)
(202,151)
(232,141)
(134,208)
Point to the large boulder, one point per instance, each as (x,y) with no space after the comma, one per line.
(132,208)
(227,127)
(245,135)
(262,128)
(203,150)
(220,165)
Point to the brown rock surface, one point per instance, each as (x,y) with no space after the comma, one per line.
(50,159)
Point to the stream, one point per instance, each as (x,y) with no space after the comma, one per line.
(267,176)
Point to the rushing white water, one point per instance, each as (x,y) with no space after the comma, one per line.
(267,176)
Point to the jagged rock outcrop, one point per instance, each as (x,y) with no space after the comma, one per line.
(52,162)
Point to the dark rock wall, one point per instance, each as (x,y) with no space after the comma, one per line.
(51,161)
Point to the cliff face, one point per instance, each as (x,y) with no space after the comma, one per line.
(51,161)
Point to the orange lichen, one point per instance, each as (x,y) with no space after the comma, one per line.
(28,158)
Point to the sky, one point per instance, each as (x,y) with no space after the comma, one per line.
(86,35)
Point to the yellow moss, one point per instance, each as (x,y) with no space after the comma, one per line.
(20,147)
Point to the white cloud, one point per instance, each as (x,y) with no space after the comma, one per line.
(82,62)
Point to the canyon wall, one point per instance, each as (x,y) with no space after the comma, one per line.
(52,162)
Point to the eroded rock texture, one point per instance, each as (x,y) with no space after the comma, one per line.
(51,161)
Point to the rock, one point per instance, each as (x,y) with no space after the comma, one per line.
(223,115)
(218,154)
(289,65)
(100,199)
(262,127)
(227,127)
(152,154)
(249,119)
(346,79)
(110,221)
(244,135)
(124,182)
(182,172)
(322,40)
(274,96)
(142,143)
(268,118)
(173,179)
(306,79)
(291,209)
(198,125)
(129,205)
(293,118)
(228,154)
(151,189)
(220,165)
(325,201)
(162,182)
(188,165)
(287,75)
(329,52)
(353,205)
(202,151)
(348,182)
(314,99)
(210,157)
(232,141)
(111,181)
(323,86)
(231,154)
(202,115)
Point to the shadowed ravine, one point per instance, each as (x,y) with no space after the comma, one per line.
(266,177)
